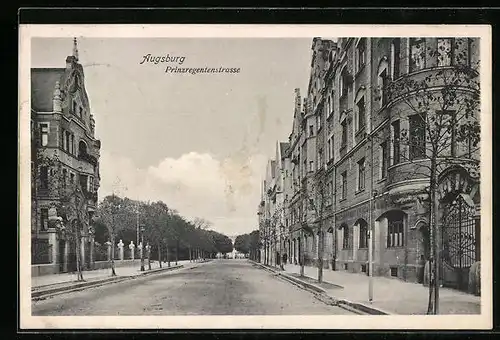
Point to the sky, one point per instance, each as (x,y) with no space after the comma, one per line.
(200,143)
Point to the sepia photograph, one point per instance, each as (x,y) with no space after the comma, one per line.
(279,177)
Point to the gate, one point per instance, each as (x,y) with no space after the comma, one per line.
(460,238)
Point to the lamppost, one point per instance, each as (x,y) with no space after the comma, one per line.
(142,242)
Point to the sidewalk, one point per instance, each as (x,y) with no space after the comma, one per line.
(390,294)
(99,274)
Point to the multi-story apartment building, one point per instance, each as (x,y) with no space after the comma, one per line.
(62,131)
(272,210)
(366,137)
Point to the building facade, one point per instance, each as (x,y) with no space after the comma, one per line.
(65,154)
(380,114)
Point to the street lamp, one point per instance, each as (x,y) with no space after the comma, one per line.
(142,243)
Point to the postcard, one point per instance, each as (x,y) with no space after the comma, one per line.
(255,176)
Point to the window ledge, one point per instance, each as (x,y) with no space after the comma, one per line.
(381,180)
(395,247)
(359,191)
(342,199)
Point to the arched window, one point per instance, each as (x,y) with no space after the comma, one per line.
(363,233)
(82,148)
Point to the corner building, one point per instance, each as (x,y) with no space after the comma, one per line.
(348,136)
(62,128)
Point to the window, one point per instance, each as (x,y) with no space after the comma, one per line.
(361,113)
(82,148)
(417,54)
(383,82)
(361,174)
(363,234)
(417,136)
(44,219)
(91,184)
(81,112)
(383,160)
(344,133)
(321,160)
(72,178)
(444,51)
(74,107)
(44,177)
(44,134)
(449,117)
(318,121)
(329,107)
(395,232)
(330,148)
(344,185)
(396,142)
(346,244)
(72,144)
(311,130)
(361,55)
(395,57)
(311,166)
(344,81)
(65,177)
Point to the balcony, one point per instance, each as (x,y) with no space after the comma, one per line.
(88,158)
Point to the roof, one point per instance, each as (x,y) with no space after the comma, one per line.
(43,82)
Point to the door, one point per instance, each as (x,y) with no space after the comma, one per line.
(460,248)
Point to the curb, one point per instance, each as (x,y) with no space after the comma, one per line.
(41,294)
(321,294)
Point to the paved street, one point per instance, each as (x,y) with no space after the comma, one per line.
(219,287)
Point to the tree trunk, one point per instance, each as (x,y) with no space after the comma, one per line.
(176,252)
(302,255)
(433,260)
(159,253)
(320,253)
(149,259)
(113,272)
(190,254)
(168,255)
(78,257)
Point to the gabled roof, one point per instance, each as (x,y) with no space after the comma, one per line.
(43,82)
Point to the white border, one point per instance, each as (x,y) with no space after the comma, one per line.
(483,321)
